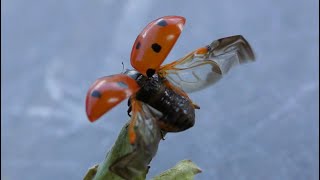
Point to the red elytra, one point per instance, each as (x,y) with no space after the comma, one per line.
(154,43)
(150,49)
(107,92)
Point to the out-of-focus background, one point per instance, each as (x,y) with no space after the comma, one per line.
(261,121)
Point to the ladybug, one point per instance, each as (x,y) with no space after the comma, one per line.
(158,93)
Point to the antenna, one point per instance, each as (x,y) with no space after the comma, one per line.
(122,67)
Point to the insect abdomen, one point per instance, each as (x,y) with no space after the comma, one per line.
(178,112)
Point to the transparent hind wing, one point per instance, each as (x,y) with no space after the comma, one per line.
(147,128)
(231,51)
(206,66)
(143,127)
(144,136)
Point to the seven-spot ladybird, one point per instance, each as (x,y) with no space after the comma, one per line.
(158,93)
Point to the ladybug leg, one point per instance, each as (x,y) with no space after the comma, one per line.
(136,108)
(129,111)
(129,102)
(162,135)
(130,107)
(195,106)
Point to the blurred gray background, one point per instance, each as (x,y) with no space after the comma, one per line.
(259,122)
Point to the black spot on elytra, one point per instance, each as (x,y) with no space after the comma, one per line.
(138,45)
(162,23)
(122,84)
(150,72)
(96,94)
(156,47)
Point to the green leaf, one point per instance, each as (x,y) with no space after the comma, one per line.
(184,170)
(91,172)
(126,161)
